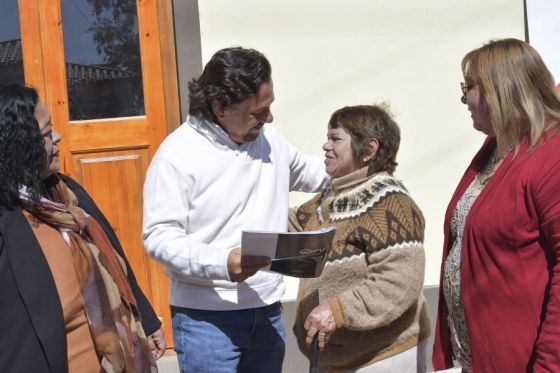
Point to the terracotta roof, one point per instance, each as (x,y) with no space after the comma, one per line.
(10,53)
(79,74)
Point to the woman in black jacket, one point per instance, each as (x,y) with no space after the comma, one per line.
(69,299)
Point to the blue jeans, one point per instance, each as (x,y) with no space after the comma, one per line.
(250,340)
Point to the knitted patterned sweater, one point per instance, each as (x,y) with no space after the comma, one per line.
(374,273)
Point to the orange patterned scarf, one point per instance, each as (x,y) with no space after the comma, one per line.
(112,312)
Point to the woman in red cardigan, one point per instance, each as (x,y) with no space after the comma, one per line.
(499,308)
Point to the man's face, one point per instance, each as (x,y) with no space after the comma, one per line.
(243,121)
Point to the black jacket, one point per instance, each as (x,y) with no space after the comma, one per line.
(32,335)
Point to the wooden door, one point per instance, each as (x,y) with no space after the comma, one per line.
(113,105)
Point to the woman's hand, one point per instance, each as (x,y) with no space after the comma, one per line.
(320,320)
(157,343)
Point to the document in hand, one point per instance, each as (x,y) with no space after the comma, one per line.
(297,254)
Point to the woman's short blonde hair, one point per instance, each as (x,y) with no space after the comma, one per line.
(518,88)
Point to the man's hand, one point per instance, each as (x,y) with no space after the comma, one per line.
(157,344)
(242,267)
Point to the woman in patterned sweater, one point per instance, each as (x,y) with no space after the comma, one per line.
(367,307)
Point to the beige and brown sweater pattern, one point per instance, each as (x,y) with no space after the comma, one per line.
(374,274)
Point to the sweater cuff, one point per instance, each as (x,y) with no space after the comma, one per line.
(337,312)
(225,264)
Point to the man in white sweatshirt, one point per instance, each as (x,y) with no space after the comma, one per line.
(225,170)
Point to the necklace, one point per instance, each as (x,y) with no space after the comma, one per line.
(488,171)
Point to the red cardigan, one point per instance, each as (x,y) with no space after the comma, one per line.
(510,275)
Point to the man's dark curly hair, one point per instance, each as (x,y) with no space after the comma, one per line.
(371,121)
(231,76)
(22,147)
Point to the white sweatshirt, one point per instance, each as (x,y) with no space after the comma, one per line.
(201,190)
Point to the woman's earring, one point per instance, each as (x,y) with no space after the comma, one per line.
(366,160)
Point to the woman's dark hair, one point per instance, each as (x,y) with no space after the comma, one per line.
(22,147)
(364,122)
(230,77)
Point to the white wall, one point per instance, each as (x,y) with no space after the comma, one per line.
(326,54)
(544,32)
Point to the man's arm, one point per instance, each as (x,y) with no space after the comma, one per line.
(165,227)
(307,172)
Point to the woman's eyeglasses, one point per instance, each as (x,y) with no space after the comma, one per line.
(464,89)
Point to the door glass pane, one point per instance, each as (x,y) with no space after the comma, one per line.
(102,53)
(11,62)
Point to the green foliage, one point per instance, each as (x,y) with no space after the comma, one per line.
(115,32)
